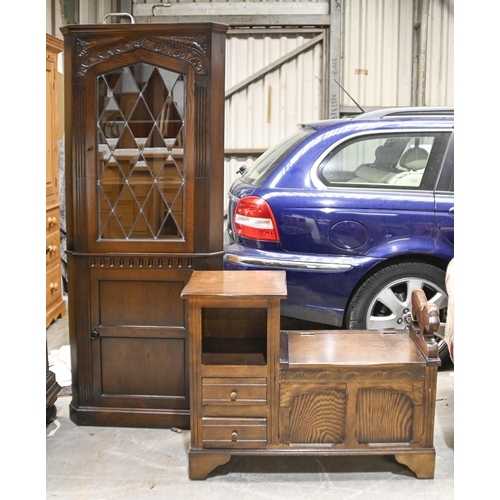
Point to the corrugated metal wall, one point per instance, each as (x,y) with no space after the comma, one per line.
(377,52)
(270,108)
(440,60)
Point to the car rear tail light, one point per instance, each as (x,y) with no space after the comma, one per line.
(254,219)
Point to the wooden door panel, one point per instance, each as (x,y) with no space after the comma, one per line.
(139,338)
(143,367)
(148,303)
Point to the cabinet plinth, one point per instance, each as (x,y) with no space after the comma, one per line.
(301,392)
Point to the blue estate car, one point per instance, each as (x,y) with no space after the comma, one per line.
(359,211)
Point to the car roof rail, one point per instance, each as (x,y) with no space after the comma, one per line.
(421,111)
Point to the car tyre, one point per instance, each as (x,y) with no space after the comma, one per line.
(384,300)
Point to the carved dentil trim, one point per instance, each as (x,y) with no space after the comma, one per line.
(192,49)
(141,262)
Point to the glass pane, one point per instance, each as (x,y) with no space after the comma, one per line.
(140,132)
(395,160)
(267,162)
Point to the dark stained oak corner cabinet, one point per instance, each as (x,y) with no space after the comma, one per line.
(256,390)
(144,147)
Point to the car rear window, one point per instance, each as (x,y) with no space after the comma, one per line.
(389,161)
(267,162)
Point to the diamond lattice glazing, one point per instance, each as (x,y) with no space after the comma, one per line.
(141,111)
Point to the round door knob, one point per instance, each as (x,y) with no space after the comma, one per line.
(234,436)
(53,286)
(234,395)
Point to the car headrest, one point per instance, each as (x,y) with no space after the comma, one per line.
(386,156)
(414,159)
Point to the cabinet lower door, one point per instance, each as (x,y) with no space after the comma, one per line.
(139,339)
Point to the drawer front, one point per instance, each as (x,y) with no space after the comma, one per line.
(52,222)
(234,432)
(234,391)
(54,252)
(54,286)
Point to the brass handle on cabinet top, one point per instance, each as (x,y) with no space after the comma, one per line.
(234,395)
(234,436)
(53,286)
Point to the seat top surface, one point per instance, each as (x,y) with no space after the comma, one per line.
(354,347)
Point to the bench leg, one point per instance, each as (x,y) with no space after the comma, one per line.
(422,464)
(200,464)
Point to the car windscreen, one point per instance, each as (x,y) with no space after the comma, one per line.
(266,163)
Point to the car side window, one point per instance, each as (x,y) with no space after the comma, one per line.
(389,161)
(267,162)
(446,179)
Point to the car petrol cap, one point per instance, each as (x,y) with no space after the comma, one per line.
(348,235)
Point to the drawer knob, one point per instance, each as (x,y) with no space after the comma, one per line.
(234,395)
(234,436)
(53,286)
(52,248)
(51,220)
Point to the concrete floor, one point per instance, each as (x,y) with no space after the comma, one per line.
(108,463)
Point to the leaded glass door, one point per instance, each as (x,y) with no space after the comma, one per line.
(141,137)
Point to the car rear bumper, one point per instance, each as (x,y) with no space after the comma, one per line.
(318,286)
(288,263)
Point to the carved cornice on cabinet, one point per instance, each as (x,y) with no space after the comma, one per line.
(192,49)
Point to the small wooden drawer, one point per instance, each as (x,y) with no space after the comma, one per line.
(234,391)
(234,432)
(52,220)
(53,286)
(53,252)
